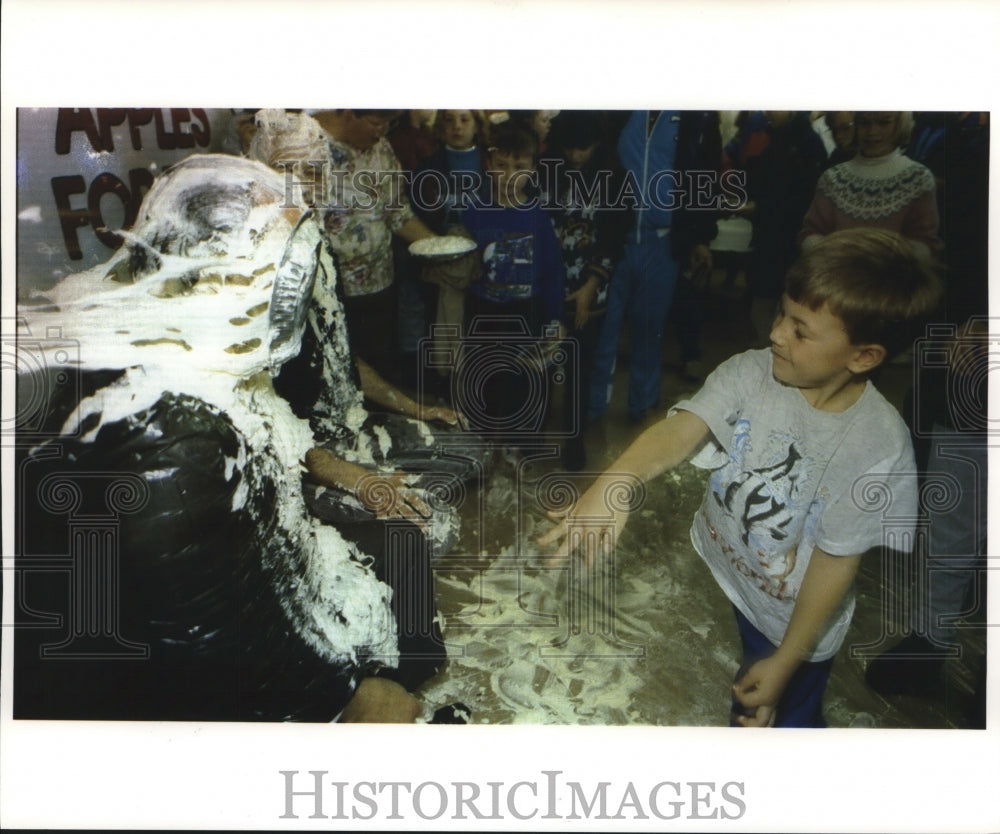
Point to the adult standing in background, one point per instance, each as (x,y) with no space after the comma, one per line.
(364,205)
(670,233)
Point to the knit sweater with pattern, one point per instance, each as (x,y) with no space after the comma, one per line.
(887,192)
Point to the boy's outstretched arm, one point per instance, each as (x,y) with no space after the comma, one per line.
(826,581)
(660,447)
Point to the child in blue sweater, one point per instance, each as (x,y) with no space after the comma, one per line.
(514,311)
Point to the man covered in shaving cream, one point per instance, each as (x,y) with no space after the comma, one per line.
(196,585)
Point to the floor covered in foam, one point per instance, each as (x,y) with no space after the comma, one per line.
(649,640)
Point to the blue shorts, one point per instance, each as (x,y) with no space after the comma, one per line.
(801,705)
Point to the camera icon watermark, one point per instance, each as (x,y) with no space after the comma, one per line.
(952,367)
(46,365)
(502,377)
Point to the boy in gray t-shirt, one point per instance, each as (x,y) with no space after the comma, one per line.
(807,462)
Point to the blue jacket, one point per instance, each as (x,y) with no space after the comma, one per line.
(661,163)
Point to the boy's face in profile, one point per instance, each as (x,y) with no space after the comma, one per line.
(811,349)
(511,175)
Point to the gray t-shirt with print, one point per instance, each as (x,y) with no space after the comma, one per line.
(787,477)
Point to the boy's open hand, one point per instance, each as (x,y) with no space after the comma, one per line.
(587,528)
(761,688)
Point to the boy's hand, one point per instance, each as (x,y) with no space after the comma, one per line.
(761,688)
(583,299)
(598,524)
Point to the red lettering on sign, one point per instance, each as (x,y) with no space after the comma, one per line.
(164,139)
(137,117)
(169,137)
(203,134)
(69,218)
(140,180)
(180,116)
(106,184)
(107,118)
(70,120)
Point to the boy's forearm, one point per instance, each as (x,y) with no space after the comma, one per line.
(826,581)
(662,446)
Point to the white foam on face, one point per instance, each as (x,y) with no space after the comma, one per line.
(161,322)
(210,341)
(283,136)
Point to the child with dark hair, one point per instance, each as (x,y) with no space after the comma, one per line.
(518,298)
(807,459)
(592,235)
(538,122)
(453,175)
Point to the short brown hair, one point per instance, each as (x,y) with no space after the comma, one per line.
(873,281)
(512,138)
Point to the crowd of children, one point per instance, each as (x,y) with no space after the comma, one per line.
(587,221)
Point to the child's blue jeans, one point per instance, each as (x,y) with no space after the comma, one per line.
(801,705)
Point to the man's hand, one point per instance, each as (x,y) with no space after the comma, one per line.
(441,414)
(380,701)
(386,494)
(393,496)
